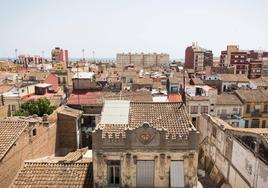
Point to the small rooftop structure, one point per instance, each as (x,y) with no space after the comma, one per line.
(43,85)
(115,112)
(83,75)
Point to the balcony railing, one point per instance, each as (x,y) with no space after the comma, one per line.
(230,116)
(256,114)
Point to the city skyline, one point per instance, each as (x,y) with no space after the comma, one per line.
(108,27)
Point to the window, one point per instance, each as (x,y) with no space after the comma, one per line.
(34,132)
(235,109)
(257,107)
(246,123)
(204,109)
(214,132)
(223,112)
(255,123)
(263,124)
(194,120)
(64,80)
(113,173)
(176,174)
(13,107)
(32,78)
(248,108)
(265,109)
(145,173)
(194,109)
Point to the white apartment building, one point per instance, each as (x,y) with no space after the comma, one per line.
(144,59)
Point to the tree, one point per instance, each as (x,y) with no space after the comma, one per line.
(38,107)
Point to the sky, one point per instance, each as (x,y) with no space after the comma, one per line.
(108,27)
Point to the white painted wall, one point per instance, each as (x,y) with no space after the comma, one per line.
(244,161)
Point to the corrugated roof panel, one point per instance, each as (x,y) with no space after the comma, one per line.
(115,112)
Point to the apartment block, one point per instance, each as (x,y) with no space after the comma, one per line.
(143,59)
(247,62)
(60,55)
(197,58)
(255,104)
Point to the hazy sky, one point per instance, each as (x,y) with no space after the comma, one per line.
(111,26)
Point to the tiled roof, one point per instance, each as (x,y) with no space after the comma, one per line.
(197,81)
(197,98)
(53,80)
(228,99)
(69,111)
(252,95)
(35,174)
(144,81)
(98,97)
(137,96)
(10,130)
(174,98)
(169,116)
(260,82)
(233,78)
(84,97)
(6,87)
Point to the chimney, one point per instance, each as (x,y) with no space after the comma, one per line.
(45,120)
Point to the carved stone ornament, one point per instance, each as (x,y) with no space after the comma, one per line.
(145,136)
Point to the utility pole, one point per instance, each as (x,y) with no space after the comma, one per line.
(83,52)
(18,91)
(78,84)
(16,54)
(93,55)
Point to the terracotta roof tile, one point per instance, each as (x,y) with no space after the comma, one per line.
(169,116)
(252,95)
(10,130)
(228,99)
(233,78)
(35,174)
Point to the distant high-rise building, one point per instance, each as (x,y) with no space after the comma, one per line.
(197,57)
(59,55)
(30,59)
(225,58)
(208,58)
(147,60)
(248,62)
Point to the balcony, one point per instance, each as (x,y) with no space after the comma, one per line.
(230,116)
(256,114)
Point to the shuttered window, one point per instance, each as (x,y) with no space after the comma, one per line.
(176,174)
(145,173)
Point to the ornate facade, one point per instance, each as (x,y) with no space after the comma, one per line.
(156,149)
